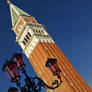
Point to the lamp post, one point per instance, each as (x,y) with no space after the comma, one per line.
(10,67)
(16,63)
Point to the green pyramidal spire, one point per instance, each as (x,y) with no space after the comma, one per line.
(15,13)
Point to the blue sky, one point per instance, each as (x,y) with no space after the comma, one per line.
(69,22)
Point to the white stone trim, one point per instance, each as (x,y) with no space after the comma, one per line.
(20,17)
(40,72)
(11,14)
(31,46)
(71,83)
(34,64)
(45,39)
(64,74)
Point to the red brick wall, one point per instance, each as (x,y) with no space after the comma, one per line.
(72,82)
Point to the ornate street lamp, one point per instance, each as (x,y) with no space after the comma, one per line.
(29,82)
(53,66)
(10,68)
(18,59)
(16,63)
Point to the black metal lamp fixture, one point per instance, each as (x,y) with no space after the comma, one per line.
(10,68)
(16,63)
(18,59)
(53,66)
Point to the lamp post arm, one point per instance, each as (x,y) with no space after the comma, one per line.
(18,85)
(47,86)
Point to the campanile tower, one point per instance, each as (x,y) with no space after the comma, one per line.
(38,46)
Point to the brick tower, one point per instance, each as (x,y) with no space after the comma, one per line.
(38,46)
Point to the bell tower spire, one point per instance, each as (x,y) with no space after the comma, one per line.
(16,13)
(28,31)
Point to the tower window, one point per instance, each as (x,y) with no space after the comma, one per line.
(39,32)
(33,30)
(36,31)
(24,42)
(42,32)
(25,39)
(29,34)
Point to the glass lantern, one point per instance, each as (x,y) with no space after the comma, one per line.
(10,68)
(53,66)
(18,59)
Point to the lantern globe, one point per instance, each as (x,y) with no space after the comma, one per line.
(10,68)
(18,59)
(53,66)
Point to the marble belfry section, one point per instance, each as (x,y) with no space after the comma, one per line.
(38,46)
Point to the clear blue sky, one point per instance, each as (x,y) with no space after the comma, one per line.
(69,22)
